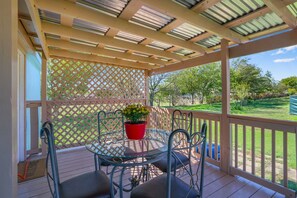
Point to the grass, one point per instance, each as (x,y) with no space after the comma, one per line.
(273,108)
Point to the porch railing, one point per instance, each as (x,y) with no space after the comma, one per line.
(33,116)
(265,150)
(161,118)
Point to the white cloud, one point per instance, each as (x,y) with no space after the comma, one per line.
(290,48)
(285,50)
(284,60)
(280,51)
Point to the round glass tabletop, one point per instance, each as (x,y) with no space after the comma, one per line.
(113,147)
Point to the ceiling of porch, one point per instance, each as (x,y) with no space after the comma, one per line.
(149,34)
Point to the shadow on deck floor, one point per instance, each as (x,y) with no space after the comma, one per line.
(216,182)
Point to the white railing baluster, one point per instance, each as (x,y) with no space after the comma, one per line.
(262,152)
(273,156)
(210,138)
(236,146)
(216,140)
(253,150)
(285,158)
(244,148)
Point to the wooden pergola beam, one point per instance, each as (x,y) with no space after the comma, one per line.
(129,11)
(70,9)
(280,8)
(95,58)
(204,5)
(236,22)
(247,17)
(95,50)
(268,31)
(193,18)
(31,4)
(200,7)
(257,46)
(95,38)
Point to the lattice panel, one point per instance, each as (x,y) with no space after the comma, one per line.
(77,80)
(78,90)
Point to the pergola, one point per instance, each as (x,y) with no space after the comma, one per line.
(116,45)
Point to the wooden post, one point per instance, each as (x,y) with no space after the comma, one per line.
(147,96)
(225,126)
(43,97)
(8,97)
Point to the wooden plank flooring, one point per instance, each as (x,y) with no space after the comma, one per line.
(216,183)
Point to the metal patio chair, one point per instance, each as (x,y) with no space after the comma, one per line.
(92,184)
(110,123)
(170,186)
(179,121)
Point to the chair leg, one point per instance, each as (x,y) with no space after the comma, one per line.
(191,173)
(96,162)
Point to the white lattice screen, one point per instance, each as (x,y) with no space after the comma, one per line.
(77,90)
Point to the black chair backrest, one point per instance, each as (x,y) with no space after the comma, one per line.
(111,122)
(47,134)
(170,142)
(194,140)
(181,120)
(201,141)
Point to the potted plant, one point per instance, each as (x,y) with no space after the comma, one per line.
(135,124)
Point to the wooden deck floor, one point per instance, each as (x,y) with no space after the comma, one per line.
(216,183)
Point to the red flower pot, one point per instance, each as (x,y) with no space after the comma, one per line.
(135,131)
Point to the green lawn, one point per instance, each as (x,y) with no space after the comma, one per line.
(275,108)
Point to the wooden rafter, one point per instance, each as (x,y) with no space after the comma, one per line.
(247,17)
(37,25)
(193,18)
(280,8)
(269,31)
(95,58)
(95,38)
(200,7)
(129,11)
(236,22)
(67,8)
(204,5)
(95,50)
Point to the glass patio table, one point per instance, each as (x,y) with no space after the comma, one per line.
(120,152)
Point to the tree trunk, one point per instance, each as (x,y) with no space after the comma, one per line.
(152,95)
(201,100)
(192,99)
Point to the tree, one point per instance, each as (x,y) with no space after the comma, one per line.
(251,76)
(170,89)
(209,80)
(188,82)
(291,84)
(242,92)
(155,83)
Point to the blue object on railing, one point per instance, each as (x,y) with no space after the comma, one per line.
(293,105)
(213,151)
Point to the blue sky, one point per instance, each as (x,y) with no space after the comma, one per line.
(281,63)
